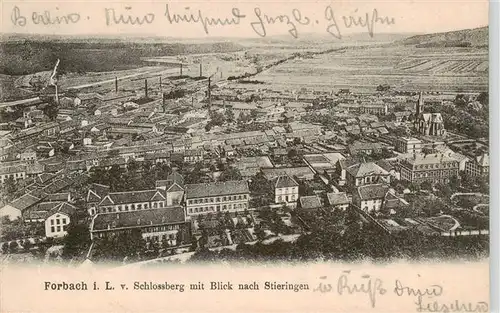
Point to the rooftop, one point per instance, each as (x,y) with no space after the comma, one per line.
(337,198)
(310,202)
(372,191)
(216,189)
(142,218)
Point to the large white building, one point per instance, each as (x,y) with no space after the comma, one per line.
(478,166)
(286,190)
(132,201)
(230,196)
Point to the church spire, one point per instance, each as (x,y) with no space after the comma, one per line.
(420,104)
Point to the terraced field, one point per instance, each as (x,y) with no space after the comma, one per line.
(402,67)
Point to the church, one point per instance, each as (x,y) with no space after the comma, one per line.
(428,124)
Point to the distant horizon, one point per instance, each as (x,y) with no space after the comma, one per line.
(276,36)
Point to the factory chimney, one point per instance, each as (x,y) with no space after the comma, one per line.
(160,82)
(116,84)
(181,69)
(209,93)
(201,71)
(146,88)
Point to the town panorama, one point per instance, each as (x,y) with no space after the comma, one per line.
(142,151)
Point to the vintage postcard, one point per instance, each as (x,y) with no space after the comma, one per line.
(246,156)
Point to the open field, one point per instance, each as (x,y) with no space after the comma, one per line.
(402,67)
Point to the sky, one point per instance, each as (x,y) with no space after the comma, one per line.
(96,17)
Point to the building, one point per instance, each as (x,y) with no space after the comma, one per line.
(478,166)
(365,174)
(16,208)
(193,156)
(428,124)
(132,201)
(365,148)
(286,190)
(165,225)
(16,172)
(310,203)
(377,198)
(95,194)
(338,200)
(59,216)
(229,196)
(174,188)
(435,168)
(408,145)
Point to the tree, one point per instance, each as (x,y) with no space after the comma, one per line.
(13,246)
(426,185)
(10,187)
(27,245)
(5,247)
(76,241)
(230,173)
(51,109)
(229,115)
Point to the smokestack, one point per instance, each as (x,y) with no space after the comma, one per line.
(209,93)
(181,69)
(160,82)
(57,94)
(116,84)
(201,71)
(145,88)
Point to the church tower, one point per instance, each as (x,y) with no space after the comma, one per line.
(420,104)
(419,109)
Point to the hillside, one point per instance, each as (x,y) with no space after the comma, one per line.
(477,37)
(22,57)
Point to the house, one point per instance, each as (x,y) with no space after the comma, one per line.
(300,172)
(95,194)
(376,198)
(16,208)
(229,196)
(164,225)
(58,218)
(338,200)
(366,173)
(435,168)
(286,190)
(365,147)
(16,172)
(408,145)
(400,117)
(28,155)
(193,156)
(174,188)
(310,203)
(478,166)
(132,201)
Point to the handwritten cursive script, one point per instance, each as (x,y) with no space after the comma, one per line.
(367,20)
(369,286)
(198,18)
(431,291)
(259,20)
(455,306)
